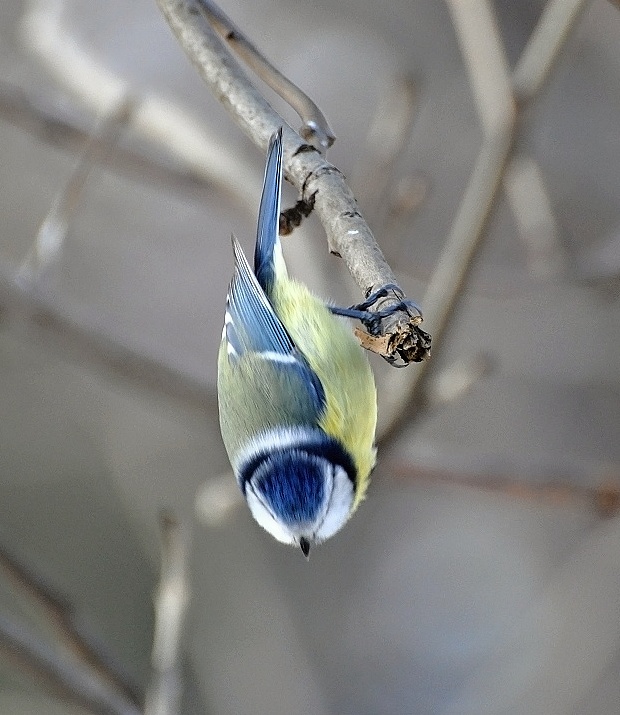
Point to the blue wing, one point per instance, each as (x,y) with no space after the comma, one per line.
(251,323)
(252,326)
(267,240)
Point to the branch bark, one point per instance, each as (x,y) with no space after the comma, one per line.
(78,652)
(349,236)
(164,693)
(315,128)
(499,98)
(77,682)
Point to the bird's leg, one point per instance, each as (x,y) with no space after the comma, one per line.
(372,319)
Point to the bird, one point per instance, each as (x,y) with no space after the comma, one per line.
(296,393)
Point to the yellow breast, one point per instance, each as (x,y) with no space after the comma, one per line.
(334,354)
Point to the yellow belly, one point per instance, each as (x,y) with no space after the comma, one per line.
(329,346)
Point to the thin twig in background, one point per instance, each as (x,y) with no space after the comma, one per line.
(315,129)
(479,39)
(75,681)
(388,136)
(348,234)
(52,232)
(481,45)
(545,489)
(154,118)
(523,180)
(44,118)
(76,642)
(485,60)
(164,693)
(544,46)
(530,203)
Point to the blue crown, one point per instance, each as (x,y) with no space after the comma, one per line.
(291,480)
(292,484)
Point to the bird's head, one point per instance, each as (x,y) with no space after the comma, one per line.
(301,494)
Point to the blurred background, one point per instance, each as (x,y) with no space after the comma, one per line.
(482,574)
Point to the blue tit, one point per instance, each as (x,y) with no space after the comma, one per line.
(297,398)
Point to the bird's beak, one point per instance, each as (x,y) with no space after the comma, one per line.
(305,547)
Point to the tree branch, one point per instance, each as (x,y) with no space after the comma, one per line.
(494,93)
(348,234)
(76,681)
(544,46)
(81,340)
(164,693)
(41,116)
(315,128)
(92,659)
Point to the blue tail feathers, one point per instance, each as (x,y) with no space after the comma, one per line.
(267,240)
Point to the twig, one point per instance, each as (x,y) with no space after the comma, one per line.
(59,613)
(77,682)
(604,499)
(53,230)
(80,339)
(315,128)
(544,46)
(153,118)
(529,200)
(164,693)
(484,57)
(52,124)
(481,46)
(348,234)
(387,138)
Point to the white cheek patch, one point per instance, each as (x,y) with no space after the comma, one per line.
(265,518)
(339,505)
